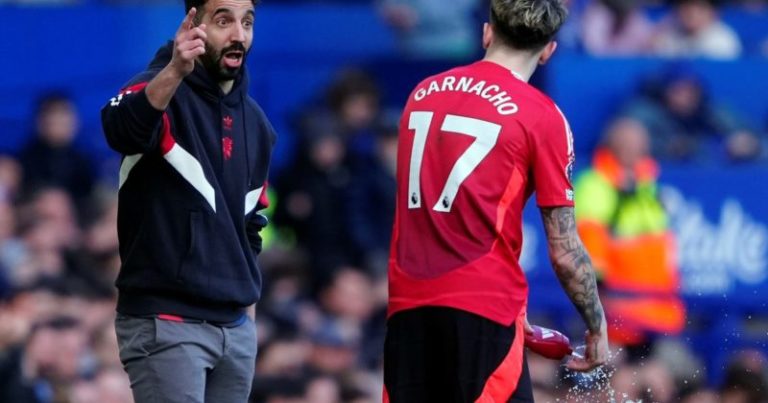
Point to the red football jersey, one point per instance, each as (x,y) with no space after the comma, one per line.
(475,143)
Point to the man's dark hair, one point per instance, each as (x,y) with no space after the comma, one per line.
(351,83)
(527,24)
(48,101)
(57,323)
(198,4)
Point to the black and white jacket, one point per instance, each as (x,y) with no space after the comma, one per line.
(192,180)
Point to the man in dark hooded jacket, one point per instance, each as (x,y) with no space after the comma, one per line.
(196,150)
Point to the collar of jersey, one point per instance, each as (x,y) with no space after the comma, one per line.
(514,73)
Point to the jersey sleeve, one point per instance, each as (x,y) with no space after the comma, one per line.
(553,159)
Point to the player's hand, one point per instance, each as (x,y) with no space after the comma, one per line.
(595,354)
(188,44)
(527,328)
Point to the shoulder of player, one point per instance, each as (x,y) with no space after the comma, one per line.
(548,111)
(541,100)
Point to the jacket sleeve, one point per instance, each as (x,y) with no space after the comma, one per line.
(131,124)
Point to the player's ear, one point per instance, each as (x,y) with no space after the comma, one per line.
(487,35)
(547,52)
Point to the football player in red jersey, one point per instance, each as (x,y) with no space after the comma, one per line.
(475,143)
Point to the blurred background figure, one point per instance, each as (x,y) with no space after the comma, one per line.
(616,28)
(41,370)
(113,386)
(51,158)
(371,201)
(340,165)
(626,231)
(697,30)
(746,378)
(10,178)
(428,29)
(354,103)
(312,191)
(701,396)
(687,124)
(108,386)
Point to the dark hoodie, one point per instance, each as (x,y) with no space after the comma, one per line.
(192,179)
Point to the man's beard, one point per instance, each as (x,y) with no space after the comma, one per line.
(212,61)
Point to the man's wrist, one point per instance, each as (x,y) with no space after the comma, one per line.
(173,72)
(162,88)
(603,329)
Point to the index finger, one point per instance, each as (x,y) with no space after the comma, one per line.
(188,22)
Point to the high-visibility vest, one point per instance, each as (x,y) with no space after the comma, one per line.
(632,248)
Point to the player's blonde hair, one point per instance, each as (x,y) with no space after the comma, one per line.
(527,24)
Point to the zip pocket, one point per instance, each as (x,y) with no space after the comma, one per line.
(194,223)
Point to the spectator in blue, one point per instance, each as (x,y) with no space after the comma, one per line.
(371,201)
(351,104)
(686,124)
(312,193)
(51,158)
(354,101)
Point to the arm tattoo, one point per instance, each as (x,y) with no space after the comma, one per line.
(572,264)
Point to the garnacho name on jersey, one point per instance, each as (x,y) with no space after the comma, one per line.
(488,91)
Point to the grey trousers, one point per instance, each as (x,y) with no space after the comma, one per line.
(170,362)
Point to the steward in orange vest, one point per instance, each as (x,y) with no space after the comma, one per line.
(624,227)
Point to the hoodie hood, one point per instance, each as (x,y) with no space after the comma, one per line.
(201,82)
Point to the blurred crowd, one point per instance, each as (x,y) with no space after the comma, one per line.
(666,28)
(58,262)
(677,28)
(687,28)
(321,318)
